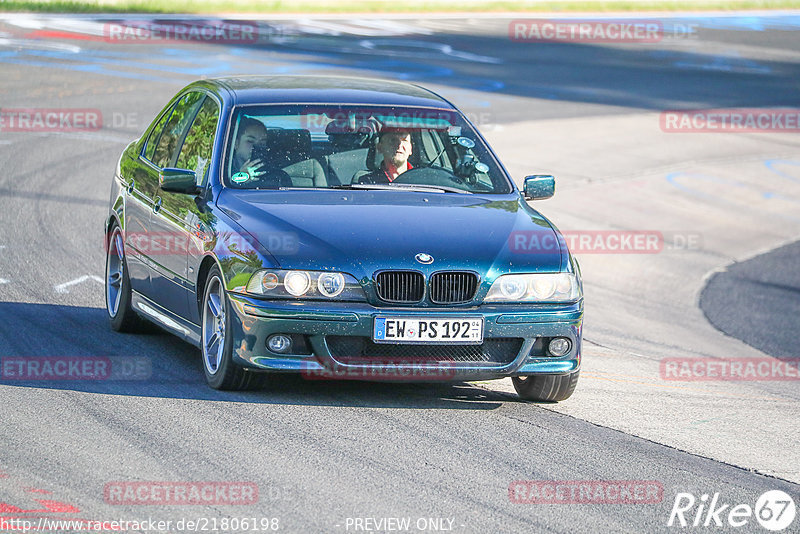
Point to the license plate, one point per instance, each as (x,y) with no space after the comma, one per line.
(460,330)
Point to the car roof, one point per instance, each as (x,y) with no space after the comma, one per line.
(244,90)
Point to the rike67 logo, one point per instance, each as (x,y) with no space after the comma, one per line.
(774,510)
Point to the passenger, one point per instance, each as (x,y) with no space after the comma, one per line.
(395,147)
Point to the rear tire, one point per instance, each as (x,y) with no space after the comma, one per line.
(216,341)
(546,388)
(118,285)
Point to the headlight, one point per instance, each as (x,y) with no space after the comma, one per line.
(297,283)
(330,284)
(321,285)
(541,287)
(269,281)
(511,287)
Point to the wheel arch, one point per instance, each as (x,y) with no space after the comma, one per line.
(202,277)
(117,216)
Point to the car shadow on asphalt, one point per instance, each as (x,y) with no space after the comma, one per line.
(47,346)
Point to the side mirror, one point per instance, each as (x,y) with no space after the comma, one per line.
(178,181)
(539,186)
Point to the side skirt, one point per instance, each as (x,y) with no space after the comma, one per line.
(179,326)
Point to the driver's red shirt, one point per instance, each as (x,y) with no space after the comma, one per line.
(378,176)
(389,177)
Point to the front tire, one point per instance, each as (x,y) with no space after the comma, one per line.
(216,341)
(546,388)
(118,286)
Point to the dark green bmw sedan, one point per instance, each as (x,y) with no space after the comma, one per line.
(339,228)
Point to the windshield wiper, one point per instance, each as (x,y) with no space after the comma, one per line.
(411,187)
(362,186)
(422,187)
(353,186)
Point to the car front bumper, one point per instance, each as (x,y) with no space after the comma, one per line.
(255,320)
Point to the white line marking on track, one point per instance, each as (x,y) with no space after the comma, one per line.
(39,45)
(62,288)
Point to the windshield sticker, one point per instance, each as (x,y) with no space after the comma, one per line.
(240,177)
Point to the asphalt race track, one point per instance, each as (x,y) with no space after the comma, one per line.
(755,292)
(344,456)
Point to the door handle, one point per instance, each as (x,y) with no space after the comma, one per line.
(156,204)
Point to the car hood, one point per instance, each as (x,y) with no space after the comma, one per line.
(361,232)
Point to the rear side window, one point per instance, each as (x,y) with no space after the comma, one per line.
(155,133)
(196,150)
(165,152)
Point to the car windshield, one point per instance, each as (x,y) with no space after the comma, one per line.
(358,147)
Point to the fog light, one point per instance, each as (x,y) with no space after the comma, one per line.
(559,346)
(279,343)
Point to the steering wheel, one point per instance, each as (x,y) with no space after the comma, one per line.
(431,175)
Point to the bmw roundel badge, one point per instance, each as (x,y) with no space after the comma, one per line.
(423,258)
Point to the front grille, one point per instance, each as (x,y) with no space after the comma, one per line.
(351,349)
(453,287)
(400,286)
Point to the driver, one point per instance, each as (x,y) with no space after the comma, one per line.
(395,147)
